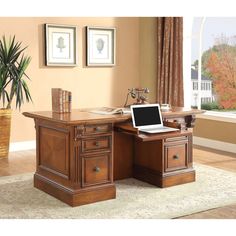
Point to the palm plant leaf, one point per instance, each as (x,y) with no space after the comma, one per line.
(19,95)
(13,65)
(11,50)
(27,93)
(24,62)
(3,93)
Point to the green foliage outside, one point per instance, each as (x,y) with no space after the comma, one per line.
(210,106)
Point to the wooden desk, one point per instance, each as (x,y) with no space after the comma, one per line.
(80,154)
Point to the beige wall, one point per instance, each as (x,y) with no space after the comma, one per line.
(148,58)
(91,87)
(216,130)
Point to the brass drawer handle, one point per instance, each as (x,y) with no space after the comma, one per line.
(96,144)
(97,129)
(176,157)
(96,169)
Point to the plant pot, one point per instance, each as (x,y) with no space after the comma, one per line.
(5,129)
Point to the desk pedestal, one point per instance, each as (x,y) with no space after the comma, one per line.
(165,162)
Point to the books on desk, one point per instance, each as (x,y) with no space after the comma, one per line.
(111,110)
(61,100)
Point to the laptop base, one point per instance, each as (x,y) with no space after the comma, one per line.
(159,130)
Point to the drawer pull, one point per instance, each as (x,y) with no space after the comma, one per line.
(97,129)
(96,169)
(176,157)
(96,144)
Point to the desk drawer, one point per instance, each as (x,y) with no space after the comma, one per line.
(176,156)
(101,143)
(89,130)
(97,129)
(96,169)
(178,138)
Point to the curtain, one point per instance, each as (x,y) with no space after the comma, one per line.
(170,61)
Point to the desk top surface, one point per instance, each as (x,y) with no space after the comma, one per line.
(86,116)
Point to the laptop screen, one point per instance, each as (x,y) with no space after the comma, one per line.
(146,115)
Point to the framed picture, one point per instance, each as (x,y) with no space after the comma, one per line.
(100,46)
(60,42)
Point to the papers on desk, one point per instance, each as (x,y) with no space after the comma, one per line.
(111,110)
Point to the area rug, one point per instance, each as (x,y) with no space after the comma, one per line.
(135,199)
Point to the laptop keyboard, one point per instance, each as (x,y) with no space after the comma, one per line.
(158,130)
(161,128)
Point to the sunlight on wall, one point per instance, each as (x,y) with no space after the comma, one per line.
(187,40)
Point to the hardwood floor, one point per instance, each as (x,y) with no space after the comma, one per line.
(214,158)
(24,161)
(18,163)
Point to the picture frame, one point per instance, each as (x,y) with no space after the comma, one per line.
(60,45)
(101,43)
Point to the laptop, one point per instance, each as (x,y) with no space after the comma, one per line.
(147,118)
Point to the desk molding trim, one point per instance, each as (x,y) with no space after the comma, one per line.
(163,180)
(73,197)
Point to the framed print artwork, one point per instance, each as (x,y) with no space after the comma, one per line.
(100,46)
(60,42)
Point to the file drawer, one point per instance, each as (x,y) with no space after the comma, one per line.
(96,169)
(176,156)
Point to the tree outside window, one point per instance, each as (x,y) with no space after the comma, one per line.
(219,64)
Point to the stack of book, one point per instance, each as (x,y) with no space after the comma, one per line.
(61,100)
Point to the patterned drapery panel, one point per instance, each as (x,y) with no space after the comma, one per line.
(170,60)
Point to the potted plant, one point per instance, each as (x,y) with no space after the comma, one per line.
(13,86)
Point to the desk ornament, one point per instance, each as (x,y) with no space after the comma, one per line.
(139,93)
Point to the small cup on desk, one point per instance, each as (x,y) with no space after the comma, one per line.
(165,107)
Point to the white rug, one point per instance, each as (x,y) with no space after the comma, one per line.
(135,199)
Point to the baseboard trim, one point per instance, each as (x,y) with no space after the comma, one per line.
(215,144)
(22,146)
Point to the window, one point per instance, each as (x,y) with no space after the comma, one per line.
(218,62)
(195,86)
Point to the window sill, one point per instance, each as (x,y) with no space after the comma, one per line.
(218,116)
